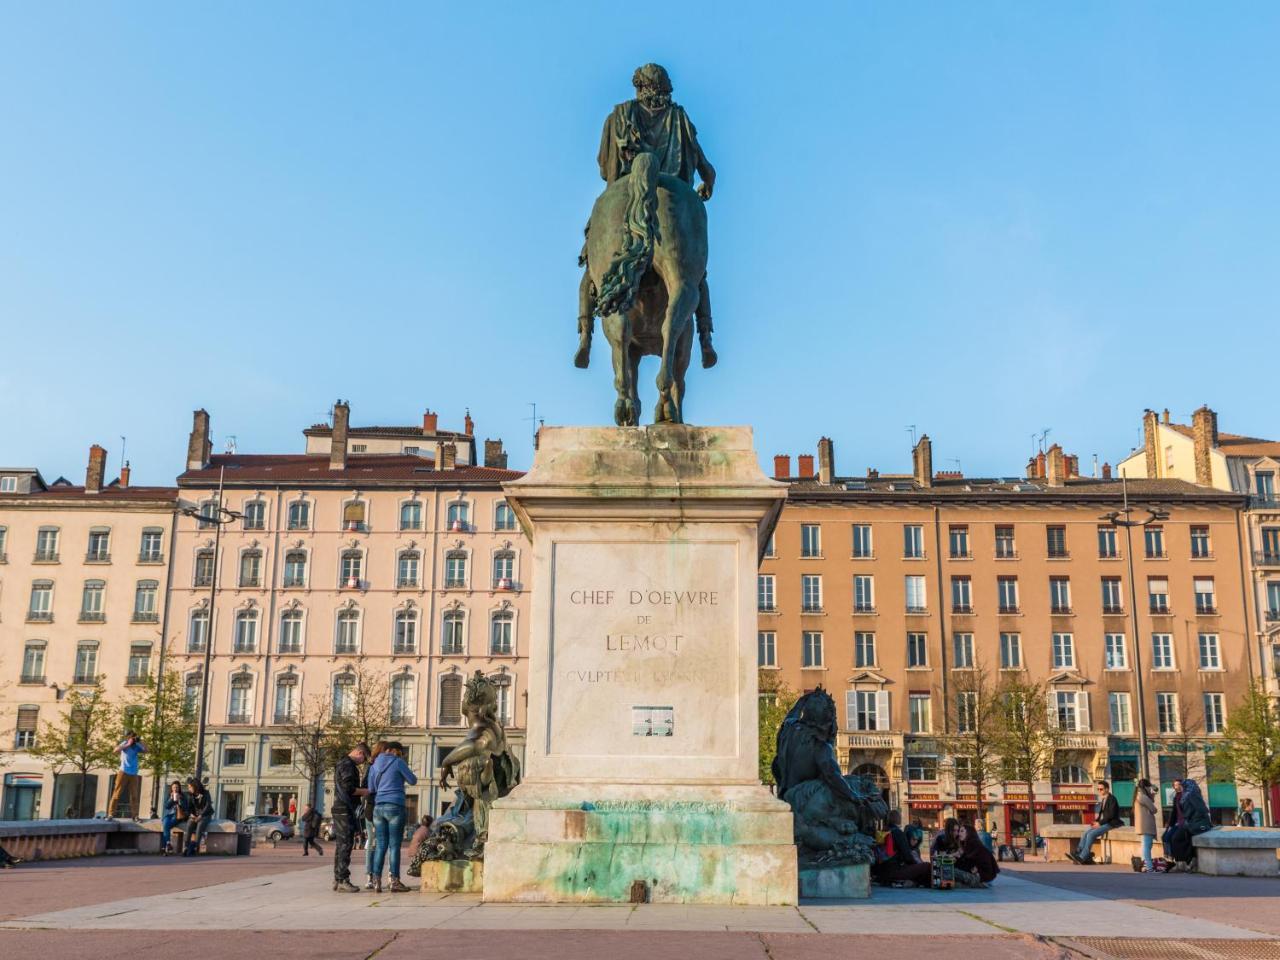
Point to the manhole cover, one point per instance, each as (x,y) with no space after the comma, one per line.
(1126,948)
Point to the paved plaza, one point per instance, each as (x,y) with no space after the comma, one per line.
(279,901)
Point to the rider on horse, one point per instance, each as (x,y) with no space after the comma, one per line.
(650,123)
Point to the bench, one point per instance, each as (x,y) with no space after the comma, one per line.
(1117,845)
(61,839)
(1238,852)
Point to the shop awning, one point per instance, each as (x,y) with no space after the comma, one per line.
(1223,795)
(1124,791)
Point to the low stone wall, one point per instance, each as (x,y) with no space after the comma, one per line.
(1238,852)
(63,839)
(1116,846)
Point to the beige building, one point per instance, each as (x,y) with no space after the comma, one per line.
(888,590)
(83,577)
(407,564)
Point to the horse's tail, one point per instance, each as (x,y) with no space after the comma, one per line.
(621,280)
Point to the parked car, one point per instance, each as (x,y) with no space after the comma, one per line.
(269,827)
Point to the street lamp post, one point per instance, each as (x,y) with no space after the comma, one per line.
(220,516)
(1128,523)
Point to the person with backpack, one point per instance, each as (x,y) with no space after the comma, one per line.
(900,865)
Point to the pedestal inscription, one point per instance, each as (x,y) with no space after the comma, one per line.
(643,636)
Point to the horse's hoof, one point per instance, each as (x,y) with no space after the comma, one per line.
(709,357)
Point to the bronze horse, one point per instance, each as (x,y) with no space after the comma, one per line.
(647,253)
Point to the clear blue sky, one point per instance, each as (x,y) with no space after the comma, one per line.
(982,219)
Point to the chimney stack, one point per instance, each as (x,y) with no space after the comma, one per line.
(494,455)
(97,469)
(1072,463)
(1057,466)
(1164,417)
(448,456)
(430,423)
(826,461)
(805,467)
(199,445)
(1106,471)
(124,474)
(338,443)
(468,425)
(922,461)
(1204,433)
(1150,427)
(782,466)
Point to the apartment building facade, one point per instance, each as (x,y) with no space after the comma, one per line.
(399,565)
(84,572)
(888,590)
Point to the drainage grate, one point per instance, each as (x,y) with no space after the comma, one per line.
(1126,948)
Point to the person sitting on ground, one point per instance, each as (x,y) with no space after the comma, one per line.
(310,823)
(975,859)
(201,816)
(177,808)
(1194,821)
(900,867)
(1106,817)
(946,843)
(422,831)
(915,837)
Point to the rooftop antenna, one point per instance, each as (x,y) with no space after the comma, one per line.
(231,443)
(1042,436)
(536,423)
(122,460)
(956,461)
(911,429)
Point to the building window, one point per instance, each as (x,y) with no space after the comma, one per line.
(450,700)
(1201,548)
(453,637)
(864,649)
(280,756)
(1264,485)
(862,541)
(505,689)
(922,768)
(459,517)
(1006,546)
(766,648)
(4,540)
(150,550)
(765,601)
(1007,588)
(1118,705)
(812,649)
(352,568)
(24,735)
(501,634)
(91,608)
(1273,600)
(403,700)
(1070,774)
(770,548)
(234,756)
(961,595)
(962,644)
(347,636)
(1112,600)
(405,642)
(1205,601)
(33,662)
(811,593)
(47,545)
(286,707)
(504,569)
(916,600)
(353,516)
(145,601)
(1059,594)
(966,711)
(1158,594)
(344,695)
(1010,651)
(246,637)
(864,594)
(921,707)
(203,573)
(40,610)
(1108,548)
(86,663)
(917,650)
(1210,658)
(958,541)
(1068,710)
(870,709)
(299,515)
(810,540)
(1064,651)
(1167,712)
(411,515)
(1117,654)
(291,631)
(1056,542)
(9,484)
(1153,539)
(99,547)
(1270,555)
(912,541)
(295,568)
(1215,713)
(191,694)
(455,569)
(255,515)
(504,517)
(139,664)
(198,631)
(251,568)
(407,566)
(1162,651)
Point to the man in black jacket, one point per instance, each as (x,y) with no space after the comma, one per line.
(1106,817)
(346,807)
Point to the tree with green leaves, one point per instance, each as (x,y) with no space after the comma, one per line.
(776,700)
(1028,736)
(1251,744)
(84,737)
(977,715)
(161,717)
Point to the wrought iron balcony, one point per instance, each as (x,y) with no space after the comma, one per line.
(39,616)
(146,616)
(1266,558)
(92,616)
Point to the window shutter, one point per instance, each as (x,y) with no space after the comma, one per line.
(1052,706)
(850,710)
(882,710)
(451,699)
(27,717)
(1083,720)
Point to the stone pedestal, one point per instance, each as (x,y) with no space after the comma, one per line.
(849,882)
(452,876)
(641,780)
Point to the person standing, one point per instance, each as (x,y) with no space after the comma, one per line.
(1106,817)
(201,815)
(346,806)
(177,808)
(310,824)
(1144,821)
(366,814)
(128,778)
(387,780)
